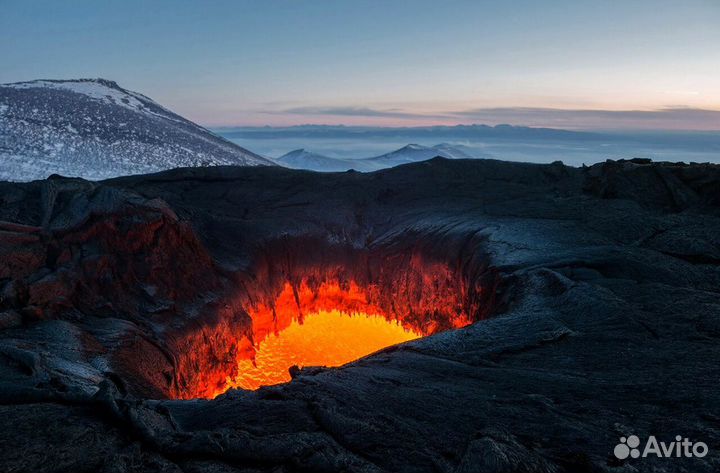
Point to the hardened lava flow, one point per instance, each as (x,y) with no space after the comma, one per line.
(129,309)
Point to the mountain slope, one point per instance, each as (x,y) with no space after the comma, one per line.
(95,129)
(303,159)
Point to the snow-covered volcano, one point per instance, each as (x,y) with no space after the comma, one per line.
(95,129)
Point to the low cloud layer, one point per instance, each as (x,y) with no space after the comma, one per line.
(349,111)
(672,118)
(668,118)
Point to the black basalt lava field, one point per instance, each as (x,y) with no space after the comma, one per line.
(560,309)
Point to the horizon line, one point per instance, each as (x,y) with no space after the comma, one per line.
(457,125)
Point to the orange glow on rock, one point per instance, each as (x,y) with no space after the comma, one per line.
(323,338)
(331,323)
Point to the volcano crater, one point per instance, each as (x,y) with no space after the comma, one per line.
(542,295)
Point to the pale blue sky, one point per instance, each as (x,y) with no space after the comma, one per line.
(383,62)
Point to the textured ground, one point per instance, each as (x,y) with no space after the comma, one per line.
(601,285)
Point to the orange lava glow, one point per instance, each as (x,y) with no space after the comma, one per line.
(324,338)
(334,322)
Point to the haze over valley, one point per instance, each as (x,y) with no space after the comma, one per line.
(513,143)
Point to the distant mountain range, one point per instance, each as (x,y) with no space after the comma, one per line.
(95,129)
(412,153)
(456,131)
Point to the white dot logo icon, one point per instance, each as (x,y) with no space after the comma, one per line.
(627,447)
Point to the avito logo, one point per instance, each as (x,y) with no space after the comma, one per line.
(681,447)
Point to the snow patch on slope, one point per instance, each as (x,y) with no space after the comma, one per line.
(95,129)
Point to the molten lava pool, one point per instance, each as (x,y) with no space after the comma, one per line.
(323,338)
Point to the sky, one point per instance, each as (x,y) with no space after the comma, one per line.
(580,64)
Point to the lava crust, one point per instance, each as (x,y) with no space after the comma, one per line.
(562,308)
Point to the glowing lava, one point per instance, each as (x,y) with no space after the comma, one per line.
(331,323)
(324,338)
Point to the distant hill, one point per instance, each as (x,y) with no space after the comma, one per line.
(413,153)
(302,159)
(95,129)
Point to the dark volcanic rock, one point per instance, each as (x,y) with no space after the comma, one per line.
(596,291)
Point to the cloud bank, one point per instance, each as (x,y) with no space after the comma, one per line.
(670,118)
